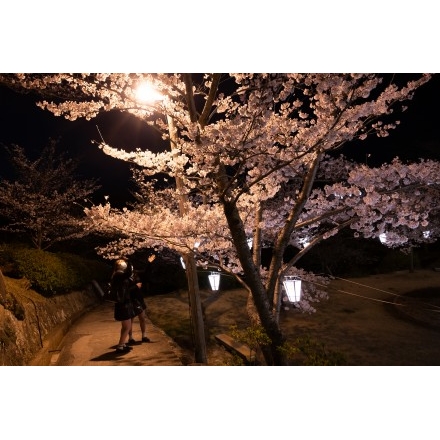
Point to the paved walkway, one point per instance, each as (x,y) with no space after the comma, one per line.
(92,341)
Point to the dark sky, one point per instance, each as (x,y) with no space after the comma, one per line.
(23,123)
(417,136)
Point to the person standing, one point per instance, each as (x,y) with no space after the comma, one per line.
(149,273)
(122,285)
(139,308)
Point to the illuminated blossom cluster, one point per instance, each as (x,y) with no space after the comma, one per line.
(254,156)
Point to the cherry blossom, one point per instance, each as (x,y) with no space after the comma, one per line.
(254,155)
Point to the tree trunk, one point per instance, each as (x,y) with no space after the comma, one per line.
(196,310)
(191,268)
(253,280)
(277,300)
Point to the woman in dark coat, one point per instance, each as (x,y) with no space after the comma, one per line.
(140,307)
(122,286)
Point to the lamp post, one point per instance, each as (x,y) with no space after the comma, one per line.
(146,93)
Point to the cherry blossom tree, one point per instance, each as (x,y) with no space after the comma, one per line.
(254,156)
(42,200)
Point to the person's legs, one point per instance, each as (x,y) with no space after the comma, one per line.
(125,329)
(130,332)
(143,325)
(142,322)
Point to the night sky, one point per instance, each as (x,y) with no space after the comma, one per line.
(24,124)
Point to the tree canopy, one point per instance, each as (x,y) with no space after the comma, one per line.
(254,156)
(44,198)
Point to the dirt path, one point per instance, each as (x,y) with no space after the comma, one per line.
(366,329)
(372,332)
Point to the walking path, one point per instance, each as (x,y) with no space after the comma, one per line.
(92,341)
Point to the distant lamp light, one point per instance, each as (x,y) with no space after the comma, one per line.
(292,284)
(304,241)
(182,263)
(249,242)
(383,238)
(426,234)
(214,280)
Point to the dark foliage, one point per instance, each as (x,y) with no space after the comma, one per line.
(51,273)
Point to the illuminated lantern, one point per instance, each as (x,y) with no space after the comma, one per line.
(214,280)
(182,263)
(292,285)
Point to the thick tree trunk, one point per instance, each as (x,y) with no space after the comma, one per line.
(253,280)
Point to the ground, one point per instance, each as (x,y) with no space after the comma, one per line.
(390,319)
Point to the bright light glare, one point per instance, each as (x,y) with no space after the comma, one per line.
(383,237)
(146,93)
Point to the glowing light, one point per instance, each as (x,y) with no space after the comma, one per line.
(214,280)
(304,242)
(293,288)
(145,92)
(383,238)
(182,263)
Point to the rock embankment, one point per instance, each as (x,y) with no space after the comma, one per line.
(31,325)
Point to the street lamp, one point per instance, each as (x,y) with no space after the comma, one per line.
(146,93)
(292,284)
(214,280)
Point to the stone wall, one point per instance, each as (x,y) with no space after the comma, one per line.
(31,325)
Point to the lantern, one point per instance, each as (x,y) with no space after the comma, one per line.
(214,280)
(383,238)
(182,263)
(292,285)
